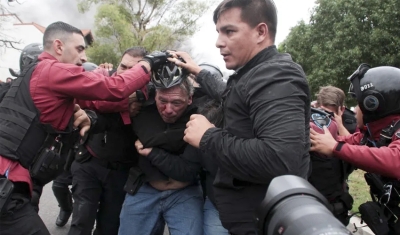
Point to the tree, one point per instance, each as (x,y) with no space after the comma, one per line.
(341,35)
(153,24)
(5,40)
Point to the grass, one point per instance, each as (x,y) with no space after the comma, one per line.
(359,189)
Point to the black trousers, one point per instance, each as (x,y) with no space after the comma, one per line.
(64,178)
(21,218)
(98,194)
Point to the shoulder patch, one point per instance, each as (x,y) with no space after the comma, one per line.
(320,120)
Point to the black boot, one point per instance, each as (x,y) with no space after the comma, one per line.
(64,199)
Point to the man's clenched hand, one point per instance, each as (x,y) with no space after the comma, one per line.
(195,129)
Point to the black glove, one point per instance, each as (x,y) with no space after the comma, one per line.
(156,59)
(93,120)
(36,193)
(35,201)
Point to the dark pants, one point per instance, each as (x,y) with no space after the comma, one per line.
(64,178)
(98,195)
(21,218)
(62,192)
(394,224)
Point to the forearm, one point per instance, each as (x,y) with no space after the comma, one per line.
(353,139)
(174,166)
(277,147)
(342,130)
(252,160)
(104,106)
(210,85)
(92,86)
(384,160)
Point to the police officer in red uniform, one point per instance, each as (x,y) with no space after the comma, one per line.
(377,149)
(39,108)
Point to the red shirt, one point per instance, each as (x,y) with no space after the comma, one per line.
(107,106)
(384,160)
(110,107)
(54,87)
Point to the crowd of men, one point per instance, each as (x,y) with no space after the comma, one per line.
(162,141)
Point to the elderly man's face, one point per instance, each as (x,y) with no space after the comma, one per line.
(172,103)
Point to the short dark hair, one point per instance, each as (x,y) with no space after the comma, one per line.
(135,51)
(253,13)
(58,30)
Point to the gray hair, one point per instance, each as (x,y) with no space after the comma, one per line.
(185,85)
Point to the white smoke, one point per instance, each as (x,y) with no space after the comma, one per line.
(45,12)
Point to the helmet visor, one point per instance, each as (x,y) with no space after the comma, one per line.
(355,79)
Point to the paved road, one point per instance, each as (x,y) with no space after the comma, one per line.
(49,211)
(355,221)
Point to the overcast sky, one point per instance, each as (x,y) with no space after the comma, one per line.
(290,12)
(44,12)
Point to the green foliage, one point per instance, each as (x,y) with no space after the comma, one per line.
(341,35)
(358,189)
(153,24)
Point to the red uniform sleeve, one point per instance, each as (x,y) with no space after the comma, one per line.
(108,107)
(353,139)
(71,81)
(384,160)
(105,106)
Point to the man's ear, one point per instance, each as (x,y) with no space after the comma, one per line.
(190,100)
(262,32)
(58,46)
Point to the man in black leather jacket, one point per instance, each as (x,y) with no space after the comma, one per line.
(266,113)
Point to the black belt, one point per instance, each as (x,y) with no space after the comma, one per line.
(20,187)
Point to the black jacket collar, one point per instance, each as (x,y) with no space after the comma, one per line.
(262,56)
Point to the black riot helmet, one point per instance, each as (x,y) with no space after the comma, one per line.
(29,55)
(168,75)
(213,69)
(377,91)
(89,66)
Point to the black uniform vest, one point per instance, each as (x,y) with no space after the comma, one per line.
(116,143)
(21,133)
(327,174)
(384,140)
